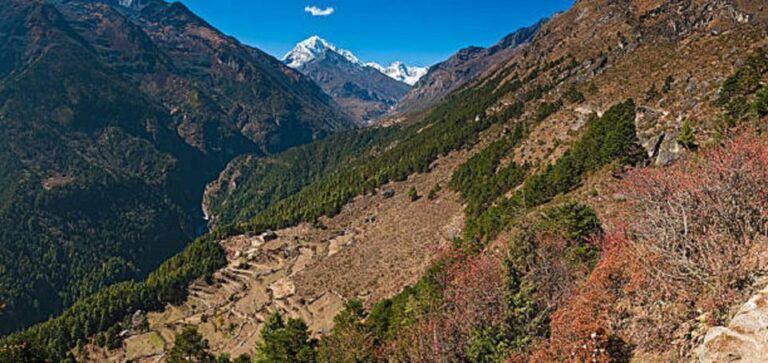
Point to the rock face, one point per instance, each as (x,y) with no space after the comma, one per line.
(745,339)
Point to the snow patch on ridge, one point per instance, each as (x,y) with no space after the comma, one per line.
(401,72)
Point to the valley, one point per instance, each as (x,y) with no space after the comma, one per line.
(592,187)
(309,272)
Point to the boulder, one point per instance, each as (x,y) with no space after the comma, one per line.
(269,236)
(745,339)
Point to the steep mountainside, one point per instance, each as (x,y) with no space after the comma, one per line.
(449,75)
(613,176)
(220,92)
(363,91)
(114,117)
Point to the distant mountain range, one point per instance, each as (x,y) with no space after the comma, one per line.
(365,90)
(315,47)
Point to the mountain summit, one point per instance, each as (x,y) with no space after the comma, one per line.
(316,47)
(365,91)
(313,48)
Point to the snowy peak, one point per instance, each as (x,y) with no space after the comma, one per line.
(316,47)
(401,72)
(313,48)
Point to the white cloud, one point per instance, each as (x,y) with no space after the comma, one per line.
(315,11)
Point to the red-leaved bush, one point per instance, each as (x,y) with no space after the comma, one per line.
(581,330)
(685,246)
(695,223)
(473,296)
(550,271)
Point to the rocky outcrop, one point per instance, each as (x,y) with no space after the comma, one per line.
(658,133)
(745,339)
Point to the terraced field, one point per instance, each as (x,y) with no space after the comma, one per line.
(374,248)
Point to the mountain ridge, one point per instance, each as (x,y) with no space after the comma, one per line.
(463,66)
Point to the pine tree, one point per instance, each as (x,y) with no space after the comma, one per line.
(190,347)
(287,342)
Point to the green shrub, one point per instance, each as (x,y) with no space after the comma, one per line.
(546,109)
(413,194)
(433,192)
(760,105)
(687,137)
(351,340)
(652,94)
(733,97)
(573,95)
(189,346)
(667,84)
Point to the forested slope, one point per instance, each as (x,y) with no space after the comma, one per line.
(111,128)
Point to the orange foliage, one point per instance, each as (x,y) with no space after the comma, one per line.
(698,220)
(694,227)
(551,273)
(581,329)
(473,296)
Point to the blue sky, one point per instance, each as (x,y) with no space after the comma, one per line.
(418,32)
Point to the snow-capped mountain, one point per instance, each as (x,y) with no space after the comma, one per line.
(364,91)
(316,47)
(401,72)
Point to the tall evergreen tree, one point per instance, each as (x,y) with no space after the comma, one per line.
(190,347)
